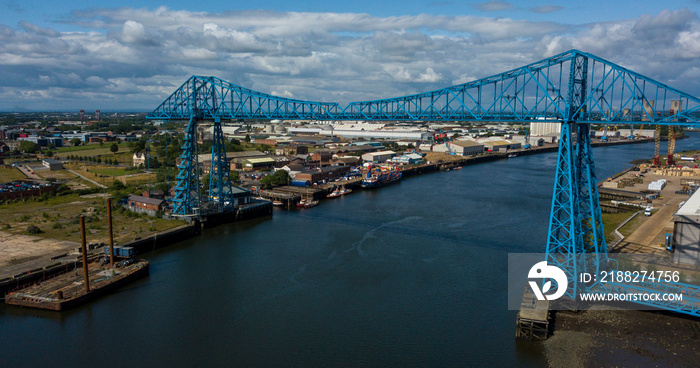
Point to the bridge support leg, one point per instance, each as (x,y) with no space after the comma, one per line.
(220,190)
(187,189)
(575,242)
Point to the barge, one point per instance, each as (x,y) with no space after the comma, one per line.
(67,290)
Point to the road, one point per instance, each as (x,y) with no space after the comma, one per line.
(90,180)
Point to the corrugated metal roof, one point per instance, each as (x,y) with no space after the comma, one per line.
(261,160)
(140,199)
(467,143)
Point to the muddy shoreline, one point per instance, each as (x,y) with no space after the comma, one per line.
(623,338)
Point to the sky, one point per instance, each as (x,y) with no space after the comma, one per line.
(131,55)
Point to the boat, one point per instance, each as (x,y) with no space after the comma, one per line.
(335,193)
(378,178)
(277,203)
(512,155)
(345,191)
(311,203)
(302,203)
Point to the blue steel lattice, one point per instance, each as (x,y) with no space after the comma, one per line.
(220,190)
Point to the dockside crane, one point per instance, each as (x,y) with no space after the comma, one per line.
(657,146)
(671,145)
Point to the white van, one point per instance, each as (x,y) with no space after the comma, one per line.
(647,211)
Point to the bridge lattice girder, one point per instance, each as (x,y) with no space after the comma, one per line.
(541,90)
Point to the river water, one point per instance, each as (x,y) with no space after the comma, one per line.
(413,274)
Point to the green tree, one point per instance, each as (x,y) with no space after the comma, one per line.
(247,138)
(28,147)
(117,185)
(280,177)
(48,153)
(75,142)
(114,148)
(235,176)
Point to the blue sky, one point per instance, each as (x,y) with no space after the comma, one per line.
(130,55)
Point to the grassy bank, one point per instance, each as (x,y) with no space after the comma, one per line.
(58,218)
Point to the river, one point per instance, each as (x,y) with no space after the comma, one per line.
(413,274)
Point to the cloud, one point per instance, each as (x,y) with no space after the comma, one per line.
(494,5)
(546,9)
(135,58)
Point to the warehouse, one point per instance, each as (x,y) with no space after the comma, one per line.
(461,148)
(377,157)
(686,232)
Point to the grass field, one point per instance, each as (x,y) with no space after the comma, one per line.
(58,218)
(10,174)
(112,171)
(612,220)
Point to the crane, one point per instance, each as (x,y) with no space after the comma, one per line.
(671,145)
(657,145)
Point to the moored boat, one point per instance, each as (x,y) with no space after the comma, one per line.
(379,178)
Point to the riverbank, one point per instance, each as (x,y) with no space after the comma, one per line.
(37,266)
(623,338)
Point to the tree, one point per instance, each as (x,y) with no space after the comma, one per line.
(280,177)
(114,148)
(117,185)
(235,176)
(75,142)
(28,147)
(48,153)
(247,138)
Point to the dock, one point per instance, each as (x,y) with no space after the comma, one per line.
(533,322)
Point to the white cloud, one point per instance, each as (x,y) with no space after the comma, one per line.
(134,58)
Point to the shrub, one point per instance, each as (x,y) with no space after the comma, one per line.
(57,225)
(33,229)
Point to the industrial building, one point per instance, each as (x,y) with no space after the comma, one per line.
(461,147)
(377,157)
(686,232)
(52,164)
(499,145)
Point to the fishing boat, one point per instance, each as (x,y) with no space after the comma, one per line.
(336,193)
(378,178)
(311,203)
(277,203)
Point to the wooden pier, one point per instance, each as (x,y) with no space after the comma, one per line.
(533,322)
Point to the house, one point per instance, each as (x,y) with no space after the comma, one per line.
(154,193)
(321,156)
(145,205)
(140,158)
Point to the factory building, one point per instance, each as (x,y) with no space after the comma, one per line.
(461,147)
(686,232)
